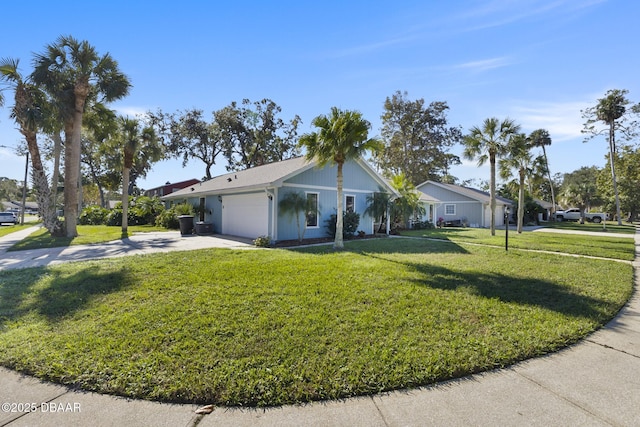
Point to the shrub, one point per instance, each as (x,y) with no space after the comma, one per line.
(93,215)
(168,219)
(114,218)
(350,222)
(422,225)
(263,241)
(144,210)
(183,209)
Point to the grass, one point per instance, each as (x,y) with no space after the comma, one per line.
(604,228)
(8,229)
(588,245)
(87,234)
(269,327)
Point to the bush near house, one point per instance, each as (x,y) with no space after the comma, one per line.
(351,220)
(93,215)
(169,218)
(143,210)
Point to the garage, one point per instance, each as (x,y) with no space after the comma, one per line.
(245,215)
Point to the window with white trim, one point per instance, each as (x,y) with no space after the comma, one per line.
(312,213)
(350,204)
(450,209)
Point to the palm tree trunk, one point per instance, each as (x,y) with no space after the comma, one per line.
(612,154)
(492,192)
(339,242)
(57,148)
(41,184)
(521,201)
(71,172)
(553,197)
(125,200)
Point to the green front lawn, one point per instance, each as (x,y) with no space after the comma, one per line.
(8,229)
(599,246)
(604,228)
(87,234)
(268,327)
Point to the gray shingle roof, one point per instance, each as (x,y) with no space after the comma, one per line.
(473,193)
(249,179)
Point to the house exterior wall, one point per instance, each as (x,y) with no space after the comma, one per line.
(465,208)
(357,183)
(468,212)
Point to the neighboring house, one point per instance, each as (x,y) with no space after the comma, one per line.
(16,206)
(546,206)
(169,188)
(429,204)
(245,203)
(464,204)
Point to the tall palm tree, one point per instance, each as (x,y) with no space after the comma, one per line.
(73,72)
(487,143)
(28,113)
(519,158)
(132,137)
(541,138)
(342,136)
(609,110)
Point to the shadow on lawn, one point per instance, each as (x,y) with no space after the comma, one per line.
(65,294)
(509,289)
(388,245)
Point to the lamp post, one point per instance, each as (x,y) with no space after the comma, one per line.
(507,211)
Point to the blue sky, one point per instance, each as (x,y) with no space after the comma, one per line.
(537,62)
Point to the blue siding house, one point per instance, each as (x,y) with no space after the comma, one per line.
(246,203)
(467,205)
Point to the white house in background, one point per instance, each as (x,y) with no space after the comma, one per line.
(466,205)
(246,203)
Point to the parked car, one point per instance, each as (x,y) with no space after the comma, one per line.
(8,217)
(574,215)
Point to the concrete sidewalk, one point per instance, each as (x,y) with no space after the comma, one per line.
(593,383)
(137,244)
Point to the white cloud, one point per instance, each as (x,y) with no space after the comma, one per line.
(131,111)
(484,64)
(563,120)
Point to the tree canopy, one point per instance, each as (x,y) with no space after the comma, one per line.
(252,134)
(416,139)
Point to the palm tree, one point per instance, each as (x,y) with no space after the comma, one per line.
(487,143)
(28,113)
(296,204)
(378,207)
(73,73)
(609,110)
(342,136)
(519,158)
(132,137)
(408,205)
(541,138)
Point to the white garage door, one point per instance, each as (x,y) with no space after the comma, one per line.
(245,215)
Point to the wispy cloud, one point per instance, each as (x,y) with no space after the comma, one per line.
(131,111)
(368,48)
(484,64)
(504,12)
(563,120)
